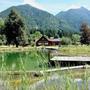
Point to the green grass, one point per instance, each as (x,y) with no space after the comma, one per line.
(21,61)
(78,50)
(35,59)
(67,78)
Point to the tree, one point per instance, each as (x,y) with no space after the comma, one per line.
(75,39)
(51,33)
(35,36)
(66,41)
(1,25)
(85,34)
(2,36)
(13,28)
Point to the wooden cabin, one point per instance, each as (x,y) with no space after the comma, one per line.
(47,42)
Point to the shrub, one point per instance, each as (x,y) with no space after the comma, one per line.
(76,39)
(66,41)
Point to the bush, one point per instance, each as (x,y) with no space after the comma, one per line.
(66,41)
(76,39)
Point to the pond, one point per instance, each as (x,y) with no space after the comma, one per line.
(28,60)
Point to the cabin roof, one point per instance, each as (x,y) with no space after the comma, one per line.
(41,38)
(54,40)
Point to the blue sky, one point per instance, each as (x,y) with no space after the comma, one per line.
(52,6)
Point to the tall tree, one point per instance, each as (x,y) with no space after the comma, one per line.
(1,25)
(2,36)
(13,28)
(85,34)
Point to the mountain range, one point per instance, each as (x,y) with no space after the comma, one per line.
(75,17)
(34,18)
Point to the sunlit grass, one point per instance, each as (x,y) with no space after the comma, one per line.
(78,50)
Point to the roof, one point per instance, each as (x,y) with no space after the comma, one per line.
(54,40)
(76,58)
(41,38)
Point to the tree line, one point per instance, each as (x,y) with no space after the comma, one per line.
(13,31)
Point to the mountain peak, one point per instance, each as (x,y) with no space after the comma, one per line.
(83,8)
(80,9)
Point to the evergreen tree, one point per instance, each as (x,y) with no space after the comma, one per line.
(85,34)
(13,28)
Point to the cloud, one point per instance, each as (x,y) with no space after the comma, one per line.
(34,3)
(73,6)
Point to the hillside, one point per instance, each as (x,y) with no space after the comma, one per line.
(75,17)
(34,18)
(66,22)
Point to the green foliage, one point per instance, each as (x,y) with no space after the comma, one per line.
(24,37)
(14,28)
(1,26)
(36,19)
(74,18)
(75,39)
(2,36)
(51,33)
(2,40)
(35,36)
(64,24)
(1,23)
(85,34)
(66,41)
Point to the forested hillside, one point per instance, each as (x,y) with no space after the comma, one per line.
(36,19)
(75,17)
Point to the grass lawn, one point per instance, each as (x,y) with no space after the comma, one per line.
(78,50)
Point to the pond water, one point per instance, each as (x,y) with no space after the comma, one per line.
(32,60)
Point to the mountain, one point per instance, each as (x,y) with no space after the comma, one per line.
(34,18)
(75,17)
(66,22)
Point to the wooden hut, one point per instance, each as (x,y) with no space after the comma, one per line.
(47,42)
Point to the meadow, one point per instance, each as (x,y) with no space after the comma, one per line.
(19,67)
(75,50)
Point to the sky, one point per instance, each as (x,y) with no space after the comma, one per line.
(52,6)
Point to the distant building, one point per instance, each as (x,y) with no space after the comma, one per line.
(47,42)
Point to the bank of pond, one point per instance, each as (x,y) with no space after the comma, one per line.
(34,59)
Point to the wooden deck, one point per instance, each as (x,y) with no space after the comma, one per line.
(61,58)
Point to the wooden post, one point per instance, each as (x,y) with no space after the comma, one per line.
(49,57)
(49,53)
